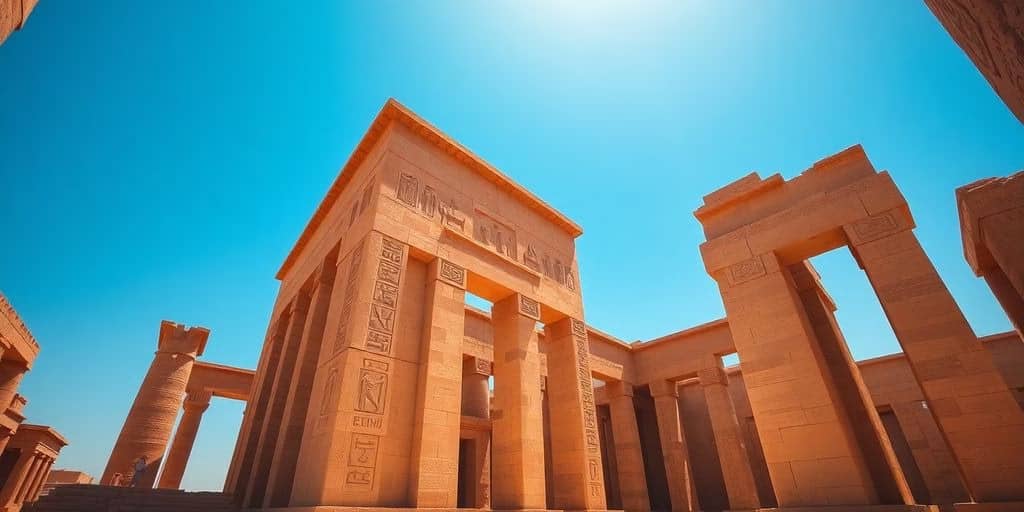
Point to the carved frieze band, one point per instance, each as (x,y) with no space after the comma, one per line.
(452,273)
(352,280)
(586,385)
(497,235)
(529,307)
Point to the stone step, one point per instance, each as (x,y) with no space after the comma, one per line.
(100,498)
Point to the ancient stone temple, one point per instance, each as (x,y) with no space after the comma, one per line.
(358,398)
(379,386)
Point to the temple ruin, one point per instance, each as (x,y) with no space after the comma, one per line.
(378,386)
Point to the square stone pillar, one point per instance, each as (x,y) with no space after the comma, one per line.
(256,409)
(682,489)
(517,431)
(289,439)
(434,469)
(811,450)
(575,442)
(266,444)
(968,397)
(357,443)
(732,455)
(629,457)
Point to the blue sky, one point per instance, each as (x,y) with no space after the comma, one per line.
(160,159)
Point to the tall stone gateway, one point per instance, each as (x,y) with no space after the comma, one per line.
(358,394)
(822,439)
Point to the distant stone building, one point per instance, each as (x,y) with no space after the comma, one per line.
(27,452)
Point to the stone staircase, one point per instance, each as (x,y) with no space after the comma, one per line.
(103,498)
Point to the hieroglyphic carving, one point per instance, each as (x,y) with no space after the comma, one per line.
(451,217)
(746,270)
(875,227)
(385,294)
(500,236)
(452,273)
(329,398)
(484,367)
(362,459)
(373,388)
(428,201)
(529,307)
(384,305)
(530,258)
(352,280)
(391,250)
(408,188)
(586,386)
(363,451)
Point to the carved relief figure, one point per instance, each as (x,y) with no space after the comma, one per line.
(451,217)
(372,389)
(428,202)
(408,187)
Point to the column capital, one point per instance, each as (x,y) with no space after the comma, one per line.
(176,338)
(662,387)
(197,400)
(712,376)
(528,307)
(617,388)
(444,270)
(478,366)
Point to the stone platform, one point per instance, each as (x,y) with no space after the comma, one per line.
(1005,506)
(104,498)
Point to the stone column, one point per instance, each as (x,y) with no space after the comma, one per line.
(256,409)
(517,430)
(286,454)
(628,454)
(434,472)
(681,487)
(575,443)
(29,481)
(266,442)
(37,484)
(184,437)
(476,392)
(732,455)
(16,480)
(147,429)
(966,393)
